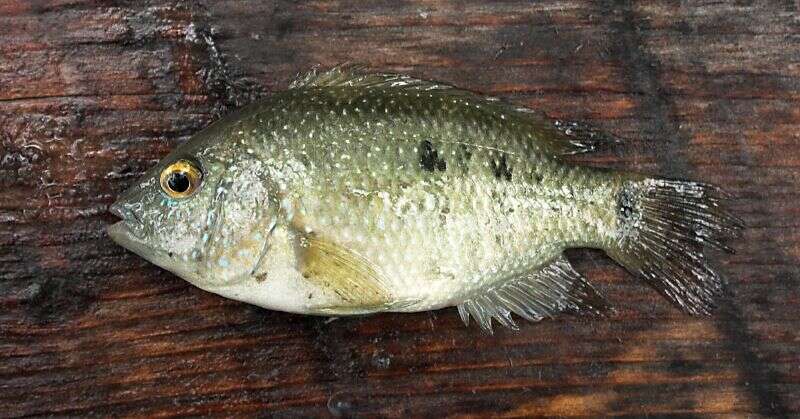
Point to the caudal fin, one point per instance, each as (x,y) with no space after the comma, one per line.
(664,227)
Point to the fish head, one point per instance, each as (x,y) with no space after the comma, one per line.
(161,227)
(168,216)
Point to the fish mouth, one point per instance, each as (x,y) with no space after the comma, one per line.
(117,210)
(126,233)
(123,232)
(123,213)
(120,233)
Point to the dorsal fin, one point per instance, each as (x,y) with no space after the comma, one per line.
(559,137)
(350,75)
(554,288)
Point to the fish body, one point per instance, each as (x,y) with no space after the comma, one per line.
(354,193)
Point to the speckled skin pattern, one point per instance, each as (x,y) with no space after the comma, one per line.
(443,193)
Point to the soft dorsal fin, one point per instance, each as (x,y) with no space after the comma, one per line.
(560,137)
(554,288)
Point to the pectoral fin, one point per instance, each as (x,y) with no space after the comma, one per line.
(356,280)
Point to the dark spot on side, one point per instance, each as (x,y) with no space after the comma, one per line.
(500,168)
(170,254)
(464,152)
(626,204)
(429,158)
(443,214)
(462,157)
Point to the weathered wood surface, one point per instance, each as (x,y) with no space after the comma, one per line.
(94,92)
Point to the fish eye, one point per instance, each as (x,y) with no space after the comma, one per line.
(181,179)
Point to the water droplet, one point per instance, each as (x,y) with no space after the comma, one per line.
(337,407)
(381,359)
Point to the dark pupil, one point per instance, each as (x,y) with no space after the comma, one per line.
(178,182)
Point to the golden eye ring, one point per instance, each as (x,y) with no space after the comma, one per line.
(181,179)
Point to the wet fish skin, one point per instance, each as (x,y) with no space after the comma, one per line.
(352,193)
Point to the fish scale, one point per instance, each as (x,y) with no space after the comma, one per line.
(354,193)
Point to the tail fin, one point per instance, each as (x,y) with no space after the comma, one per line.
(664,227)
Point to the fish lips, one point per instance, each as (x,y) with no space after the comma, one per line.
(120,233)
(123,232)
(127,233)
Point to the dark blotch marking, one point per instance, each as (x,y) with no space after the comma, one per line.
(429,158)
(462,157)
(465,153)
(626,204)
(500,168)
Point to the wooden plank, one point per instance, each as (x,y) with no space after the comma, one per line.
(92,93)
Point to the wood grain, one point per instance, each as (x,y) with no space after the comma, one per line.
(94,92)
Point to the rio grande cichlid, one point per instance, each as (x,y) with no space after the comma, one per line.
(355,193)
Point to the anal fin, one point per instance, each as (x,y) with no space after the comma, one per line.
(553,288)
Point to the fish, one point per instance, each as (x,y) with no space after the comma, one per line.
(355,192)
